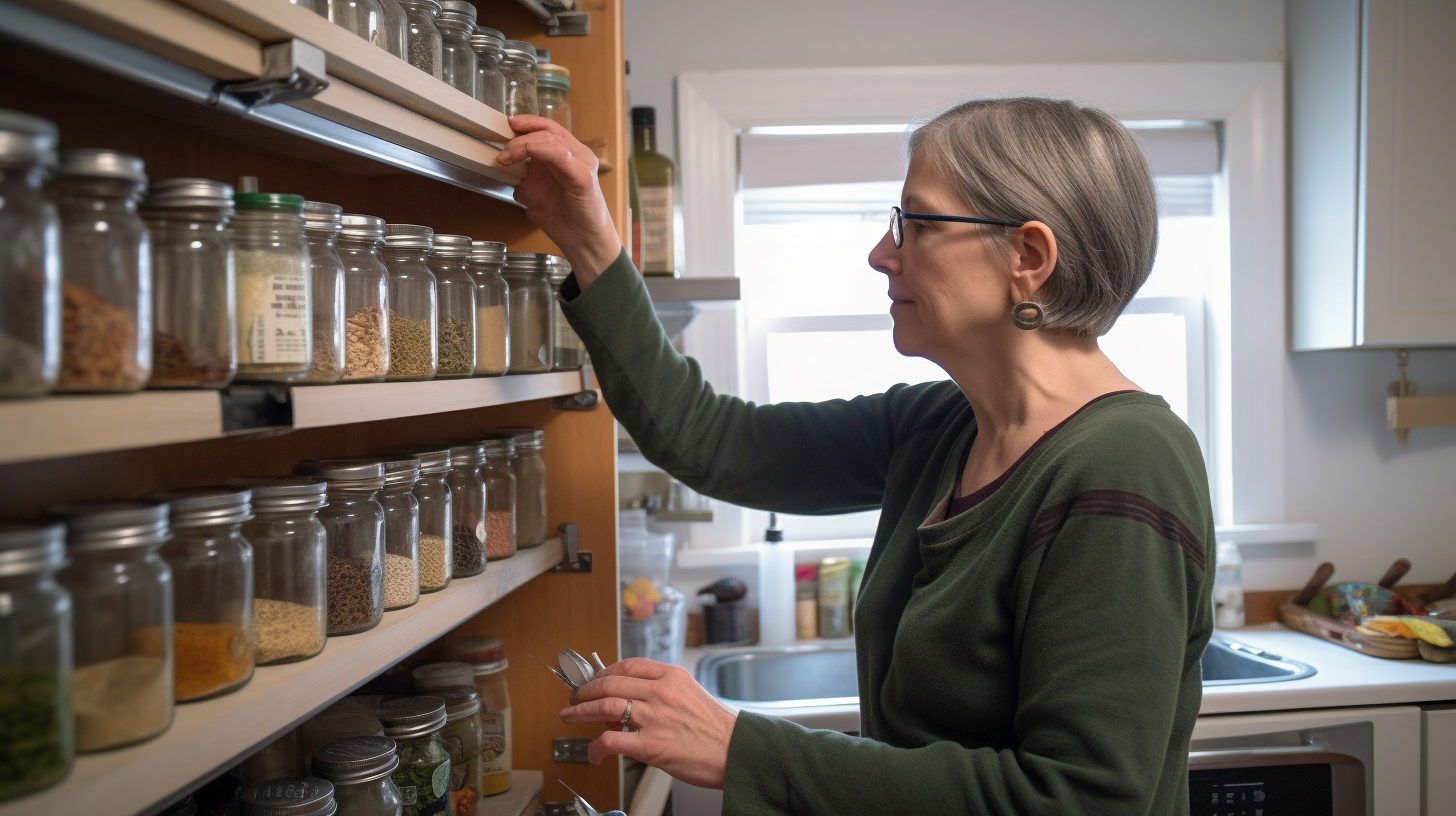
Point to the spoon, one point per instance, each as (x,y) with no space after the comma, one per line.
(555,671)
(583,808)
(575,667)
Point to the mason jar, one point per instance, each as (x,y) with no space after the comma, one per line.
(303,796)
(322,223)
(401,531)
(290,551)
(457,59)
(413,319)
(568,353)
(354,530)
(212,590)
(450,262)
(423,775)
(500,495)
(363,18)
(121,602)
(275,312)
(30,268)
(490,83)
(531,312)
(345,719)
(35,641)
(106,272)
(492,308)
(552,84)
(433,495)
(396,28)
(518,63)
(422,40)
(465,740)
(366,298)
(467,503)
(361,770)
(530,472)
(487,658)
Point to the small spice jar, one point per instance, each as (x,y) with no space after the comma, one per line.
(433,495)
(275,760)
(450,262)
(121,601)
(346,719)
(568,353)
(212,589)
(361,770)
(303,796)
(500,495)
(413,319)
(192,283)
(487,658)
(518,64)
(366,298)
(35,673)
(467,502)
(492,308)
(530,472)
(354,530)
(531,312)
(322,223)
(401,531)
(30,267)
(395,35)
(275,316)
(106,272)
(423,775)
(423,46)
(290,551)
(490,83)
(457,59)
(552,84)
(465,740)
(363,18)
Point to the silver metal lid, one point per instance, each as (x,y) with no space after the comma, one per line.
(189,192)
(457,11)
(433,676)
(408,236)
(356,759)
(304,796)
(557,267)
(467,452)
(525,262)
(362,227)
(25,138)
(27,548)
(401,469)
(280,494)
(207,506)
(345,471)
(113,525)
(491,252)
(526,438)
(460,701)
(94,162)
(487,41)
(499,445)
(431,6)
(520,51)
(453,246)
(322,216)
(433,458)
(407,717)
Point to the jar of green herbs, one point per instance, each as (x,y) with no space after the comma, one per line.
(423,775)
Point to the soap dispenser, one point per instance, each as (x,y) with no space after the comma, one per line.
(775,587)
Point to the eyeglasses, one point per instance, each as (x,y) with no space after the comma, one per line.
(898,216)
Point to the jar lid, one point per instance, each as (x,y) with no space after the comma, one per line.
(346,718)
(525,262)
(93,162)
(269,202)
(207,506)
(433,458)
(26,138)
(406,717)
(460,701)
(290,797)
(431,6)
(433,676)
(345,471)
(401,469)
(320,215)
(356,759)
(520,50)
(484,653)
(499,445)
(278,494)
(363,227)
(408,236)
(113,525)
(189,192)
(491,252)
(453,246)
(551,75)
(467,452)
(526,438)
(457,11)
(488,41)
(30,547)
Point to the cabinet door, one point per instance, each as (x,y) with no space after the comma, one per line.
(1438,745)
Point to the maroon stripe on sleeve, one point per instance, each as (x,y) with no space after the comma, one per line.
(1121,504)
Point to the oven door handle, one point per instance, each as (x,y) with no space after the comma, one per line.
(1270,755)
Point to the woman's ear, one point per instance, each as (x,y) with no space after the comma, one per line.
(1033,258)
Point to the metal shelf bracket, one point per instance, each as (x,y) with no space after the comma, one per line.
(291,70)
(573,560)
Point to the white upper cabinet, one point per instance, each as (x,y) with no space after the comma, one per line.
(1373,125)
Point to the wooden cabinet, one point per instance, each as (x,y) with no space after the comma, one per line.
(1373,179)
(143,76)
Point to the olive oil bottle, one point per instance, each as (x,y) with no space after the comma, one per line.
(656,192)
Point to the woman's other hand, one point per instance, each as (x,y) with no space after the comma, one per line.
(561,193)
(678,726)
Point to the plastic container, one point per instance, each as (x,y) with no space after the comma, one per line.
(30,269)
(654,614)
(1228,587)
(776,591)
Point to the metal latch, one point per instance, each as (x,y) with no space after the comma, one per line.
(568,24)
(587,398)
(572,559)
(291,70)
(569,749)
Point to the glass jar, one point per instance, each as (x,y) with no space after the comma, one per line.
(321,224)
(465,740)
(530,473)
(361,770)
(401,531)
(487,658)
(30,268)
(490,83)
(422,40)
(35,670)
(354,530)
(303,796)
(121,602)
(212,590)
(106,272)
(348,718)
(366,298)
(500,495)
(192,283)
(531,312)
(276,760)
(290,551)
(450,262)
(552,84)
(518,63)
(433,495)
(467,503)
(275,318)
(396,28)
(457,59)
(492,307)
(423,775)
(413,317)
(568,353)
(363,18)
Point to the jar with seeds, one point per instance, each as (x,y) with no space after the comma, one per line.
(275,312)
(290,608)
(467,507)
(530,472)
(422,41)
(450,261)
(518,64)
(322,223)
(413,321)
(30,267)
(401,531)
(433,494)
(492,308)
(354,533)
(500,495)
(366,298)
(532,309)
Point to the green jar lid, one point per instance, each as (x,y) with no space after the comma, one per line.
(272,202)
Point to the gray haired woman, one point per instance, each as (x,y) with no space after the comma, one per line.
(1036,601)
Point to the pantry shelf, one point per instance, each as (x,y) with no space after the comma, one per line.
(210,736)
(72,425)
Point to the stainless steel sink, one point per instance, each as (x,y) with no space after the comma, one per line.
(1228,662)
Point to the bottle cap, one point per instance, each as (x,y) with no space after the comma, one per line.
(269,202)
(644,117)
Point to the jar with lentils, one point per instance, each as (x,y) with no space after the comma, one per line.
(467,503)
(354,532)
(500,495)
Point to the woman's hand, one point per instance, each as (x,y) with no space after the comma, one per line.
(562,195)
(679,727)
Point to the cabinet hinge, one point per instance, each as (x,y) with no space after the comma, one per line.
(291,70)
(587,398)
(572,559)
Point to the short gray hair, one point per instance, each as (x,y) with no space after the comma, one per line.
(1072,167)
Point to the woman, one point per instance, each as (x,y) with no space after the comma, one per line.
(1036,601)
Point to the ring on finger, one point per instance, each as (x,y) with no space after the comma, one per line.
(627,715)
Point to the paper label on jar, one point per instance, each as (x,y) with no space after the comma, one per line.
(277,327)
(495,729)
(656,220)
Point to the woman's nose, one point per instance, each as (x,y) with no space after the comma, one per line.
(885,258)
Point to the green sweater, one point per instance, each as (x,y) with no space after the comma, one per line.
(1036,654)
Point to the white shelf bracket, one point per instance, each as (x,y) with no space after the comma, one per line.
(1404,410)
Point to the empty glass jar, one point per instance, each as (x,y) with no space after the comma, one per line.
(361,769)
(518,63)
(467,507)
(401,531)
(450,261)
(396,28)
(457,58)
(30,268)
(500,495)
(275,314)
(568,353)
(366,298)
(530,471)
(552,84)
(490,83)
(364,18)
(322,223)
(413,325)
(290,551)
(354,530)
(531,312)
(492,308)
(422,39)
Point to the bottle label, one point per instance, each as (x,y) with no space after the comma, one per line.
(496,741)
(278,329)
(656,229)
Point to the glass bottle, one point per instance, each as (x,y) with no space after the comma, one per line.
(500,495)
(303,796)
(433,495)
(492,308)
(121,602)
(35,670)
(518,63)
(487,658)
(490,83)
(366,298)
(30,268)
(322,223)
(354,530)
(450,262)
(467,503)
(531,312)
(106,272)
(396,28)
(290,551)
(422,42)
(413,317)
(656,192)
(275,317)
(423,775)
(465,740)
(552,84)
(457,58)
(361,770)
(401,531)
(364,18)
(568,353)
(212,590)
(530,472)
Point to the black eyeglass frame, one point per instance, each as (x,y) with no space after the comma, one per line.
(897,217)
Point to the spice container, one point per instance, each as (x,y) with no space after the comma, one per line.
(290,551)
(465,740)
(302,796)
(518,64)
(500,495)
(568,353)
(212,589)
(487,659)
(450,262)
(531,312)
(276,760)
(30,268)
(363,18)
(490,83)
(354,530)
(423,775)
(192,283)
(396,29)
(401,531)
(322,223)
(422,38)
(530,472)
(106,273)
(457,58)
(552,84)
(343,720)
(35,660)
(467,507)
(413,325)
(834,597)
(275,320)
(366,298)
(492,319)
(433,495)
(121,602)
(361,770)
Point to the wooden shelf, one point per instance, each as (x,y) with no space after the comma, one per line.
(319,406)
(210,736)
(526,788)
(675,290)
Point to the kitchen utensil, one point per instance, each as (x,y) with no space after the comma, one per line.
(574,670)
(1295,612)
(584,808)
